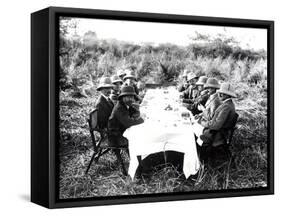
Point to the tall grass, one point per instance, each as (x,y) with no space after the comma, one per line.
(82,66)
(247,169)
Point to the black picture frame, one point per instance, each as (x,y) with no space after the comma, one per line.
(44,103)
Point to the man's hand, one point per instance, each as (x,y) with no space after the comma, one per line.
(136,106)
(201,107)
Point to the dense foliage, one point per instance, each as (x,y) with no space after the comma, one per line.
(88,58)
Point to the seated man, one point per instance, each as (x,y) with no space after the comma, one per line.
(142,90)
(191,91)
(124,115)
(208,110)
(121,73)
(200,99)
(103,104)
(130,80)
(117,83)
(215,129)
(184,83)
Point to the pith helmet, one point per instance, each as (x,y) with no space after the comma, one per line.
(121,72)
(191,76)
(116,79)
(130,75)
(105,82)
(212,83)
(227,89)
(202,80)
(127,90)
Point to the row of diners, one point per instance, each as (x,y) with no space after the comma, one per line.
(210,102)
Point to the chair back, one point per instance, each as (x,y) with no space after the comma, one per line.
(94,127)
(233,128)
(93,119)
(235,119)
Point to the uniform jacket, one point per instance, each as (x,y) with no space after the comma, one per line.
(104,107)
(192,104)
(190,93)
(202,98)
(211,105)
(223,116)
(122,118)
(222,121)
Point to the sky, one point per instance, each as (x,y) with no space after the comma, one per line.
(157,33)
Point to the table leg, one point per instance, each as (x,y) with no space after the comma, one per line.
(133,165)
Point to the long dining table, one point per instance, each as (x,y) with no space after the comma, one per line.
(166,127)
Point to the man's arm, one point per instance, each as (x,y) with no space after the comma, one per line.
(217,121)
(123,116)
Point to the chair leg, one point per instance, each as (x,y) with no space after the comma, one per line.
(128,152)
(91,161)
(96,156)
(138,173)
(120,161)
(101,153)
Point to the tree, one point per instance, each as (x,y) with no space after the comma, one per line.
(89,38)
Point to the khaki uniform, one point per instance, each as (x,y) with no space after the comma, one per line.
(202,98)
(211,105)
(190,93)
(221,123)
(192,104)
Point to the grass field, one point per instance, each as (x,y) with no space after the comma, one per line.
(248,169)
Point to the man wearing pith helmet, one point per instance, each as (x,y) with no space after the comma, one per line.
(203,95)
(104,105)
(184,83)
(208,110)
(200,98)
(200,83)
(191,91)
(200,89)
(117,83)
(123,116)
(130,80)
(216,129)
(121,73)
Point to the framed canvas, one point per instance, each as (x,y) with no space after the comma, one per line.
(158,135)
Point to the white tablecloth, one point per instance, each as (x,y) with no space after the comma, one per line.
(164,129)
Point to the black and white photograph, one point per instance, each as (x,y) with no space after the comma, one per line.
(160,108)
(140,107)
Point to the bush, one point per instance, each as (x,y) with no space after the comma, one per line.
(145,66)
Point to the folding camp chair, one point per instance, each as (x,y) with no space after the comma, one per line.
(229,137)
(206,151)
(100,147)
